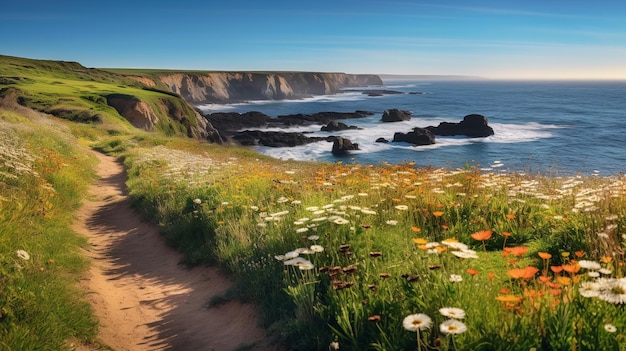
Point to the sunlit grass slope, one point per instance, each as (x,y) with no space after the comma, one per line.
(70,91)
(43,179)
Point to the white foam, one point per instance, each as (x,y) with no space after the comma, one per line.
(249,105)
(366,138)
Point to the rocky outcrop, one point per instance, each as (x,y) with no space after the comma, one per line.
(473,125)
(342,146)
(137,112)
(273,139)
(395,115)
(233,121)
(334,126)
(419,136)
(142,115)
(229,87)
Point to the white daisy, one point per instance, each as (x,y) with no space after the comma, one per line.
(452,326)
(415,322)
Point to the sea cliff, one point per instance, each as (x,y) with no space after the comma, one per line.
(229,87)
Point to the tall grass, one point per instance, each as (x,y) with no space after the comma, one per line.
(43,177)
(338,255)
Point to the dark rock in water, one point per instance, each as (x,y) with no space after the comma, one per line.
(319,118)
(273,139)
(378,92)
(419,136)
(416,93)
(233,121)
(382,140)
(334,126)
(395,115)
(342,146)
(473,125)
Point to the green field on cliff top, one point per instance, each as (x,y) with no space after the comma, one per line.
(337,256)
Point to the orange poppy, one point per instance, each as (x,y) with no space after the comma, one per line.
(606,259)
(438,213)
(471,271)
(482,235)
(545,255)
(522,273)
(506,234)
(444,227)
(516,251)
(556,269)
(491,275)
(579,253)
(505,291)
(416,229)
(510,216)
(571,268)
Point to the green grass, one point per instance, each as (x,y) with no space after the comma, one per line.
(43,179)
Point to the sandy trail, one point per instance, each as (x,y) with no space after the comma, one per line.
(142,297)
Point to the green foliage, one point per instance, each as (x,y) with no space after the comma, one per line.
(43,178)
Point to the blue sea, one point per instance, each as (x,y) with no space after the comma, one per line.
(552,128)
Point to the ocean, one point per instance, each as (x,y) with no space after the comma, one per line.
(560,128)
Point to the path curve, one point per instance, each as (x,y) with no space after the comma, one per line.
(143,298)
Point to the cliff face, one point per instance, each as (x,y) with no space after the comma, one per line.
(222,87)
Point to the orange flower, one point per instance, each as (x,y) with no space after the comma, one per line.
(545,255)
(482,235)
(438,213)
(444,227)
(416,229)
(606,259)
(571,268)
(522,273)
(510,216)
(471,271)
(544,279)
(506,234)
(516,251)
(579,254)
(491,275)
(509,298)
(556,269)
(564,280)
(504,291)
(420,241)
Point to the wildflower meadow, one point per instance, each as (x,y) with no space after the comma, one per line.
(398,257)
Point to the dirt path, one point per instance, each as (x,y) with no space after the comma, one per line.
(142,297)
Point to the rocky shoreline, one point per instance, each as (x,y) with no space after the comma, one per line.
(246,129)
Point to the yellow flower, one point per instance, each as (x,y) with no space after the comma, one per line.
(420,241)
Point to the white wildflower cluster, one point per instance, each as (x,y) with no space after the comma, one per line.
(293,258)
(611,290)
(459,249)
(452,326)
(15,159)
(181,164)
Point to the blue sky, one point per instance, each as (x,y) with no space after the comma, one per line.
(492,39)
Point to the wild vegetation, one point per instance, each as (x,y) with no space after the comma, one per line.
(391,257)
(337,256)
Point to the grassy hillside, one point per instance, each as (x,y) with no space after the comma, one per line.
(70,91)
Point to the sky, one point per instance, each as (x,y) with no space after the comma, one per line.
(523,39)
